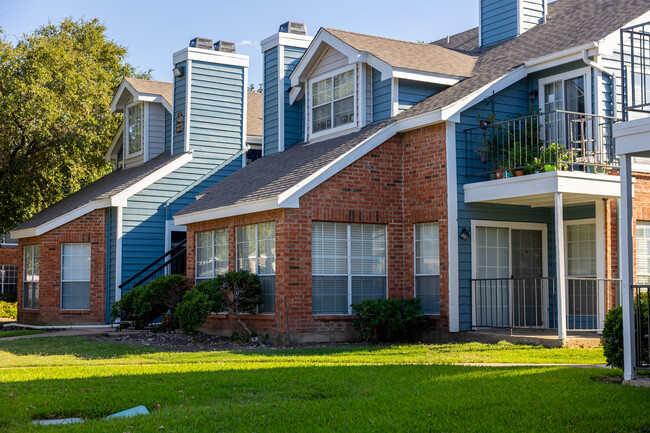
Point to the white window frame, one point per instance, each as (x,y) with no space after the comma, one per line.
(512,225)
(257,255)
(35,277)
(75,281)
(584,72)
(637,256)
(415,259)
(126,130)
(3,278)
(198,279)
(349,274)
(310,107)
(585,221)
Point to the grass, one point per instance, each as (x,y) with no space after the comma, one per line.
(396,388)
(19,332)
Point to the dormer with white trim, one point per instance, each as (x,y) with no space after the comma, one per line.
(345,80)
(144,133)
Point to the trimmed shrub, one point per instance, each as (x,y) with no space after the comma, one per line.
(8,310)
(144,304)
(212,289)
(377,318)
(242,294)
(193,310)
(612,338)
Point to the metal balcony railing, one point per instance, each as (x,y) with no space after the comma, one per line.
(555,141)
(642,326)
(524,302)
(635,71)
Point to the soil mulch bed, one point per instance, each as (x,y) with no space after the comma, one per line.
(179,342)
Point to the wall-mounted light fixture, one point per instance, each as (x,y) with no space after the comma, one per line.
(464,234)
(179,71)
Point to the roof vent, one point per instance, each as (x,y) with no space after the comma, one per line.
(225,47)
(293,27)
(202,43)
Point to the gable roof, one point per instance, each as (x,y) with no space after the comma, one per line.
(571,23)
(166,90)
(255,109)
(110,190)
(410,55)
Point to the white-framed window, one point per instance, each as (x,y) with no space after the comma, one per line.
(348,265)
(211,254)
(643,252)
(134,129)
(581,249)
(427,266)
(75,276)
(256,254)
(8,280)
(332,101)
(30,277)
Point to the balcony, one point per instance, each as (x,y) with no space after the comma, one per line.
(525,161)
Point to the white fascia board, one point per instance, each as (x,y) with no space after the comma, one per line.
(633,137)
(118,200)
(118,94)
(286,39)
(561,57)
(295,94)
(111,148)
(151,97)
(138,97)
(227,211)
(290,197)
(384,68)
(426,77)
(210,56)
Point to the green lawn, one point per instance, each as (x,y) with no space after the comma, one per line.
(398,388)
(19,332)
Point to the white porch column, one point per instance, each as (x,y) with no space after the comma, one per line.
(627,267)
(560,271)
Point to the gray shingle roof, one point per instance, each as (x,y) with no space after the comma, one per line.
(271,175)
(103,188)
(166,90)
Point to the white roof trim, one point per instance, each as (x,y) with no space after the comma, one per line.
(560,57)
(425,77)
(211,56)
(286,39)
(227,211)
(111,148)
(118,200)
(137,96)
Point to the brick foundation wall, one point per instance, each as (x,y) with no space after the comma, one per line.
(90,228)
(400,183)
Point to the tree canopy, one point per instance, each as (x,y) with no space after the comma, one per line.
(56,85)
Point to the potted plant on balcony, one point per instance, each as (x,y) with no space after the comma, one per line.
(519,157)
(556,157)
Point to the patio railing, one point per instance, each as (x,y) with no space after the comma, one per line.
(642,326)
(524,302)
(559,140)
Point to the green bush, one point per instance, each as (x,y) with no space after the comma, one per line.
(8,310)
(377,318)
(612,338)
(193,310)
(242,294)
(145,303)
(212,289)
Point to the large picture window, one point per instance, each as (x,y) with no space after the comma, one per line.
(427,267)
(75,276)
(348,265)
(211,254)
(256,254)
(134,128)
(333,102)
(30,277)
(643,252)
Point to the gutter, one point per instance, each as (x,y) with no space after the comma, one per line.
(603,70)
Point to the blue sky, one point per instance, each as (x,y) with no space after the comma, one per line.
(153,30)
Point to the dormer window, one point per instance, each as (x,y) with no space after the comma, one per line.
(134,128)
(332,102)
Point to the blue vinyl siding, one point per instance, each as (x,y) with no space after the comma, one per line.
(498,21)
(168,131)
(178,143)
(271,101)
(381,95)
(217,103)
(294,115)
(111,263)
(412,92)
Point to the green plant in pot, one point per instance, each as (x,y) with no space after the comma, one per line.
(556,157)
(520,158)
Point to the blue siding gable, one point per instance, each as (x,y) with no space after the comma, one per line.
(270,101)
(381,97)
(178,143)
(168,131)
(412,92)
(498,21)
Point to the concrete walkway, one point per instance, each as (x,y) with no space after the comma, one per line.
(513,364)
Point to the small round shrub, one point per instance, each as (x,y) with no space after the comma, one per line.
(612,338)
(193,310)
(212,289)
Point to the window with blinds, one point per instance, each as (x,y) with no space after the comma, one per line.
(643,252)
(75,276)
(427,267)
(30,277)
(211,254)
(348,265)
(581,250)
(256,254)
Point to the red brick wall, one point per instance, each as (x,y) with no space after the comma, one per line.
(90,228)
(401,182)
(9,255)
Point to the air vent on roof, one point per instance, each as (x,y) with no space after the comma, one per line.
(293,27)
(203,43)
(225,47)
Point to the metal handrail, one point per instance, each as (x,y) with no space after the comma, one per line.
(152,264)
(155,271)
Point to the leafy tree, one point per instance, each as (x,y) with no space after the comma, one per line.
(56,85)
(260,88)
